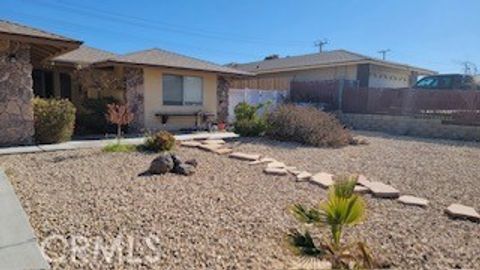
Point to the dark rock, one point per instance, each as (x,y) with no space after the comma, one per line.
(161,164)
(192,162)
(176,160)
(184,169)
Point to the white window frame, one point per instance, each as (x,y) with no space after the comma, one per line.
(183,90)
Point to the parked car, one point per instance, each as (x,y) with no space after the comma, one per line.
(449,82)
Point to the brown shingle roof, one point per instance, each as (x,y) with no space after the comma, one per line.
(336,57)
(12,28)
(162,58)
(84,55)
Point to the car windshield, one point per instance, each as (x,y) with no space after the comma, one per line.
(429,83)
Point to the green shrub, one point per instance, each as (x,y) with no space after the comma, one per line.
(54,120)
(249,128)
(91,117)
(160,141)
(119,148)
(307,125)
(247,122)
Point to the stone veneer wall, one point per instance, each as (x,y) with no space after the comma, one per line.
(223,84)
(411,126)
(16,93)
(134,95)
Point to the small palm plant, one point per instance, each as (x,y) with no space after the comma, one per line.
(343,208)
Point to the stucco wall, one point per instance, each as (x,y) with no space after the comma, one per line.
(16,93)
(411,126)
(327,73)
(385,77)
(154,99)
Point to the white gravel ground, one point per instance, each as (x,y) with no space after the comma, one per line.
(229,215)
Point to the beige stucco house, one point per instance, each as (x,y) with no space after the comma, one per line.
(337,65)
(163,89)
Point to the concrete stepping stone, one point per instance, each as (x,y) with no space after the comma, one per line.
(276,164)
(323,179)
(275,171)
(461,211)
(362,180)
(303,176)
(382,190)
(213,141)
(293,170)
(361,189)
(223,151)
(210,147)
(262,161)
(190,144)
(244,156)
(412,200)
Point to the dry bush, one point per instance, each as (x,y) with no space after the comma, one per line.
(54,120)
(159,142)
(119,115)
(307,125)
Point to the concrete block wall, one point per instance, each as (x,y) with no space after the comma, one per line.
(410,126)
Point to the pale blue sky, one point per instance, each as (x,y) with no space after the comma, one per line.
(434,34)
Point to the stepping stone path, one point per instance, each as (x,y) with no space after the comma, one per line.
(412,200)
(223,151)
(382,190)
(461,211)
(190,144)
(275,171)
(361,189)
(378,189)
(244,156)
(276,164)
(209,147)
(303,176)
(262,161)
(322,179)
(213,142)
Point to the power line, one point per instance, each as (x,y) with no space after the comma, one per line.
(155,24)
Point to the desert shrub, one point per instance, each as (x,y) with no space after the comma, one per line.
(306,125)
(119,148)
(247,121)
(159,142)
(343,208)
(54,120)
(91,116)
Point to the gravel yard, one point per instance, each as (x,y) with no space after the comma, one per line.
(229,215)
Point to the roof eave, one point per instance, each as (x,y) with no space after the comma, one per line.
(346,63)
(109,63)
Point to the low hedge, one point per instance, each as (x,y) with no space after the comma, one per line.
(307,125)
(54,120)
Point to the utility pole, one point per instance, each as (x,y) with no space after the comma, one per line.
(469,68)
(320,44)
(384,53)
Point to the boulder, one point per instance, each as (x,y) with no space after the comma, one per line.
(176,160)
(161,164)
(184,169)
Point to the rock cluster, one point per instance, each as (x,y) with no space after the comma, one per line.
(168,162)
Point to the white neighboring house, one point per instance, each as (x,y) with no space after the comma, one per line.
(335,65)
